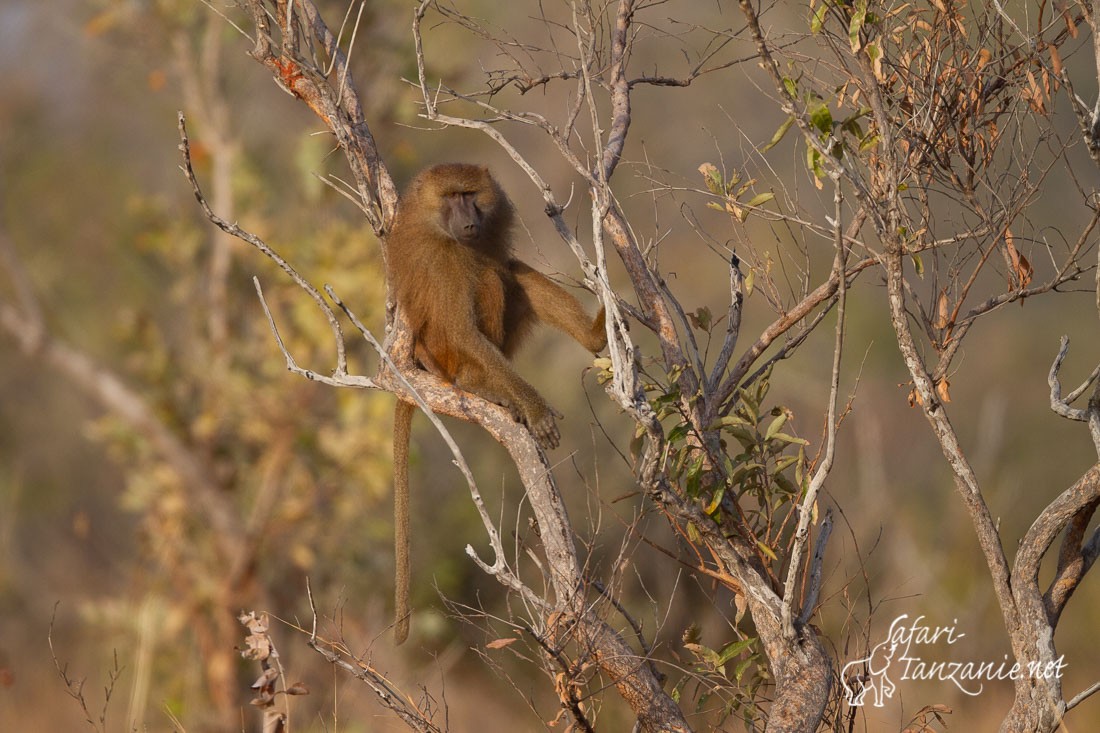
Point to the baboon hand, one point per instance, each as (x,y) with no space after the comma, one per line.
(544,427)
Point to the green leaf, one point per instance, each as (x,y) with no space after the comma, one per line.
(786,485)
(779,134)
(813,162)
(739,670)
(744,436)
(752,402)
(789,439)
(822,118)
(918,263)
(817,20)
(775,426)
(874,53)
(678,432)
(731,650)
(819,171)
(729,421)
(867,143)
(855,25)
(761,198)
(694,475)
(715,500)
(784,463)
(701,318)
(738,474)
(766,550)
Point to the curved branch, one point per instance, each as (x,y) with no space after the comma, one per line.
(1061,405)
(1052,520)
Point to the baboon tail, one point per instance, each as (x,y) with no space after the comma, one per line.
(402,422)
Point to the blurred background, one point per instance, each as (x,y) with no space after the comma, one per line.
(116,571)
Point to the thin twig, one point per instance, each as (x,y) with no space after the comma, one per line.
(388,695)
(1084,695)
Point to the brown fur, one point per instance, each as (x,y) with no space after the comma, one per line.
(470,305)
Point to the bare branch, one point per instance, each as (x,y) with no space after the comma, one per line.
(1083,495)
(252,239)
(733,324)
(809,603)
(1091,414)
(1075,558)
(806,509)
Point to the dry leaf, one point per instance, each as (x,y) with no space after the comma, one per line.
(1022,271)
(262,701)
(942,388)
(1034,95)
(268,676)
(501,643)
(943,311)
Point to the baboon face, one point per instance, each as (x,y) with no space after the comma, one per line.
(460,217)
(467,199)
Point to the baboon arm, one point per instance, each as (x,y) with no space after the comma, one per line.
(485,371)
(554,305)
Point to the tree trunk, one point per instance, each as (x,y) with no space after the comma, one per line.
(1034,710)
(803,675)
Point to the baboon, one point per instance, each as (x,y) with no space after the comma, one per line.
(470,305)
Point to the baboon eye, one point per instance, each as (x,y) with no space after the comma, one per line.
(467,198)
